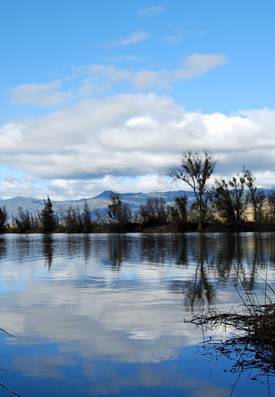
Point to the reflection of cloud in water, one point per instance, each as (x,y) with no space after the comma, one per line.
(149,376)
(127,325)
(132,315)
(42,366)
(121,299)
(105,378)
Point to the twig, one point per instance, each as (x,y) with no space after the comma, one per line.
(10,390)
(6,332)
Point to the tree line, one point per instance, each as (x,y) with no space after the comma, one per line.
(228,204)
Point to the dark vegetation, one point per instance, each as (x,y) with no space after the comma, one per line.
(253,346)
(236,204)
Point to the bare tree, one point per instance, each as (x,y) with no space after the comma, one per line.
(23,222)
(72,220)
(194,170)
(153,212)
(118,212)
(177,212)
(271,206)
(181,206)
(256,196)
(230,198)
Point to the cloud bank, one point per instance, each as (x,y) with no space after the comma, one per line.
(99,140)
(130,141)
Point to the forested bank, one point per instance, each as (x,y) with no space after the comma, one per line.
(235,204)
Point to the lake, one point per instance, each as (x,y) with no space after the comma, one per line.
(103,314)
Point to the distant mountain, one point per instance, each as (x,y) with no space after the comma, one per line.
(98,203)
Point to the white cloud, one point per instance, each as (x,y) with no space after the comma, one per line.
(127,142)
(151,11)
(68,188)
(133,38)
(76,189)
(100,78)
(26,186)
(199,64)
(97,79)
(39,94)
(196,65)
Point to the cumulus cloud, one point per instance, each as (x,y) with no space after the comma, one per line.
(39,94)
(151,11)
(133,38)
(111,141)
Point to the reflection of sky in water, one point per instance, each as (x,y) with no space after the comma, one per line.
(103,315)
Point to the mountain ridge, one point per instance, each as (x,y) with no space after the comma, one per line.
(98,203)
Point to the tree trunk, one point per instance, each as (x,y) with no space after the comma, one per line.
(200,218)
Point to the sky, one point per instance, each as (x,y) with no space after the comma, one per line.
(105,95)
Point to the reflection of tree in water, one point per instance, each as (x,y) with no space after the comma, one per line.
(228,249)
(227,258)
(255,259)
(149,248)
(48,250)
(197,291)
(22,247)
(240,258)
(119,249)
(244,361)
(165,249)
(86,247)
(271,252)
(3,247)
(200,290)
(155,248)
(74,245)
(179,250)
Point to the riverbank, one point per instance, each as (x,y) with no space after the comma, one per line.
(187,227)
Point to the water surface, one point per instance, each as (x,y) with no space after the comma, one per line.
(103,315)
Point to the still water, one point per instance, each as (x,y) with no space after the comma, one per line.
(103,315)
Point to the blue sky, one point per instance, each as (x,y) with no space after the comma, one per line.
(204,62)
